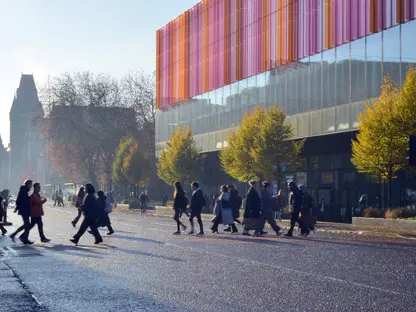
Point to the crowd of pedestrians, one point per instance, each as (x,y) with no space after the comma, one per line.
(95,210)
(259,207)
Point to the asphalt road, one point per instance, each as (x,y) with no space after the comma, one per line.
(144,268)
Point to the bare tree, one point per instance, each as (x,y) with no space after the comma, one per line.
(139,93)
(86,119)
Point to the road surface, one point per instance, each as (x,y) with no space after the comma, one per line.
(144,268)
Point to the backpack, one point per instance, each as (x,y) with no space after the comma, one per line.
(108,208)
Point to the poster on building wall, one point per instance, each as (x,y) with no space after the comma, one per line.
(302,178)
(275,190)
(289,178)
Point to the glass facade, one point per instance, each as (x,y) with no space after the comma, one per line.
(322,93)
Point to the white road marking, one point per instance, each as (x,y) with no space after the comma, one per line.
(159,230)
(164,224)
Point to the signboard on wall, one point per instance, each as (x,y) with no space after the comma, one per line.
(327,177)
(302,178)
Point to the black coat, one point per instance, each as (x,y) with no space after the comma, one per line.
(90,207)
(103,218)
(235,202)
(179,201)
(197,201)
(295,200)
(23,202)
(253,204)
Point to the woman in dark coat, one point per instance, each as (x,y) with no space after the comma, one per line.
(179,205)
(90,217)
(103,217)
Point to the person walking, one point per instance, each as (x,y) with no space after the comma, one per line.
(235,203)
(90,217)
(143,202)
(179,205)
(223,211)
(23,208)
(2,208)
(307,218)
(281,203)
(104,209)
(252,209)
(55,197)
(79,204)
(295,201)
(197,203)
(268,204)
(36,212)
(61,199)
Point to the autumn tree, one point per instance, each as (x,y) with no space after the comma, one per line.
(380,148)
(126,144)
(181,161)
(260,145)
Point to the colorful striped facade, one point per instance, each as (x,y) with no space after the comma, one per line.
(218,42)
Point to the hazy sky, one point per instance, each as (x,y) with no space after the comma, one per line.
(50,37)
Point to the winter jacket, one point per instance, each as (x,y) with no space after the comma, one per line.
(296,201)
(253,204)
(268,202)
(235,203)
(90,206)
(197,201)
(23,202)
(36,205)
(179,201)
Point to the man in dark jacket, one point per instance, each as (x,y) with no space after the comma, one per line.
(252,209)
(90,210)
(296,202)
(23,208)
(235,202)
(197,203)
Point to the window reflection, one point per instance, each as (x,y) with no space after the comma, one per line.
(292,89)
(315,83)
(358,70)
(343,74)
(328,78)
(303,94)
(408,32)
(374,65)
(391,53)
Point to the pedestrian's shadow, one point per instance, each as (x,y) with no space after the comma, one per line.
(147,254)
(366,243)
(79,250)
(258,240)
(138,239)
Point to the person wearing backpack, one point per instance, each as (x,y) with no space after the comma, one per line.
(179,205)
(295,201)
(307,217)
(104,209)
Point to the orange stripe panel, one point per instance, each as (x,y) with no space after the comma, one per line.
(157,69)
(280,33)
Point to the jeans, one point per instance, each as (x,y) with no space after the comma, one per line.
(295,218)
(266,216)
(89,222)
(38,221)
(26,227)
(197,215)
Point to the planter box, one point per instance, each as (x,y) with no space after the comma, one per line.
(390,223)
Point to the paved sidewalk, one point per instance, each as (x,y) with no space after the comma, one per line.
(15,296)
(330,227)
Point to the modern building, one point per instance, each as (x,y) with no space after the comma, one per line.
(26,144)
(319,60)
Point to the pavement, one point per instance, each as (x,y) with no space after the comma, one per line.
(143,267)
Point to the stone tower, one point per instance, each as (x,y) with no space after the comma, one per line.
(26,115)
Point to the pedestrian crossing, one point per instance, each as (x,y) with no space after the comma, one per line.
(11,252)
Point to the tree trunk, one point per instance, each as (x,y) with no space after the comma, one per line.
(390,180)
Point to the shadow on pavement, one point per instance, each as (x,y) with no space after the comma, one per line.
(138,239)
(142,253)
(80,250)
(265,240)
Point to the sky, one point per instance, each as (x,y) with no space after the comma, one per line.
(51,37)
